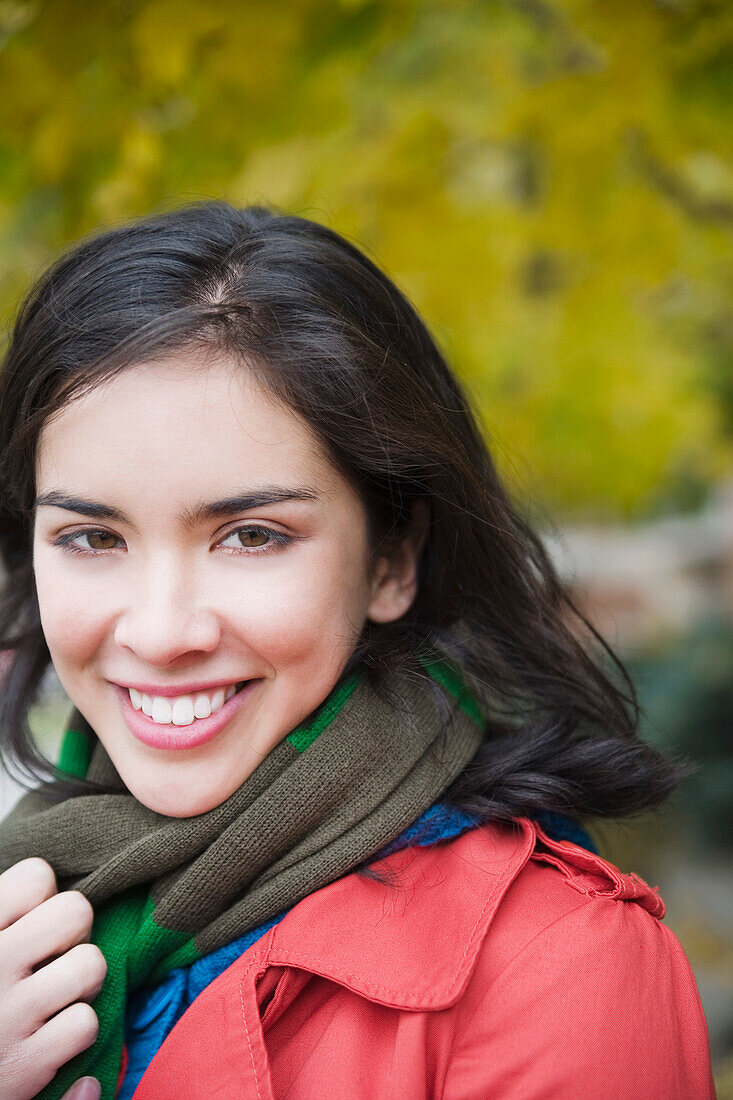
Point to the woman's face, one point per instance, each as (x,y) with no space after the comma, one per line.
(191,534)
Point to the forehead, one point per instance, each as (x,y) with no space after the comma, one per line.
(185,424)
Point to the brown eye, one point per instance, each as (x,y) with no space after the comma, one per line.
(101,540)
(260,539)
(253,536)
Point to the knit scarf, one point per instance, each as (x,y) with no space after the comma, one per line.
(168,891)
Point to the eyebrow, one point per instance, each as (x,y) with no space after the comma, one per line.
(191,517)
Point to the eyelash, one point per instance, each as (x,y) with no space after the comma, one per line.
(280,540)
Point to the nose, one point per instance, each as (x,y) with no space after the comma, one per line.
(165,620)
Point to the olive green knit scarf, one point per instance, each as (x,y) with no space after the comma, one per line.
(167,891)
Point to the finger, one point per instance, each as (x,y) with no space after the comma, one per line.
(86,1088)
(24,886)
(50,929)
(77,975)
(63,1037)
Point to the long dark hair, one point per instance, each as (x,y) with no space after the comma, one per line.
(342,346)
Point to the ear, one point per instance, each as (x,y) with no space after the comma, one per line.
(394,585)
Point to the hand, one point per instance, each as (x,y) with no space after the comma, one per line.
(48,973)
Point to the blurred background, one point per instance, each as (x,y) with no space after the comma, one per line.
(551,183)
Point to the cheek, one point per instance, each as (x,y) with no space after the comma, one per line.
(313,613)
(74,623)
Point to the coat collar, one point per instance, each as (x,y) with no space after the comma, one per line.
(412,944)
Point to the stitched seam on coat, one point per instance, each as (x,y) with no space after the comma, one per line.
(290,960)
(510,872)
(246,1029)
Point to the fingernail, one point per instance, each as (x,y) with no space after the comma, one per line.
(86,1088)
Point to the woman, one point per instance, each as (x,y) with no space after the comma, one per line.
(332,733)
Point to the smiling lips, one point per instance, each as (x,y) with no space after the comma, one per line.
(182,710)
(165,727)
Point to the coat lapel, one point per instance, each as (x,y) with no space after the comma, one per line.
(409,944)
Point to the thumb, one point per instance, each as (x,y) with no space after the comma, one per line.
(86,1088)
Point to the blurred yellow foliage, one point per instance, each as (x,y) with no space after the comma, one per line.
(549,181)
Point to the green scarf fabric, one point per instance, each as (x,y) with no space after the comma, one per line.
(167,891)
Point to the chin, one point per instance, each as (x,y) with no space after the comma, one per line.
(172,801)
(180,807)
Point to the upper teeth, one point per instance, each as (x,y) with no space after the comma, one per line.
(180,709)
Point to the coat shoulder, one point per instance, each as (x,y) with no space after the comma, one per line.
(577,978)
(550,882)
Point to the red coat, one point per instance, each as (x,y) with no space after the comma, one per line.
(503,965)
